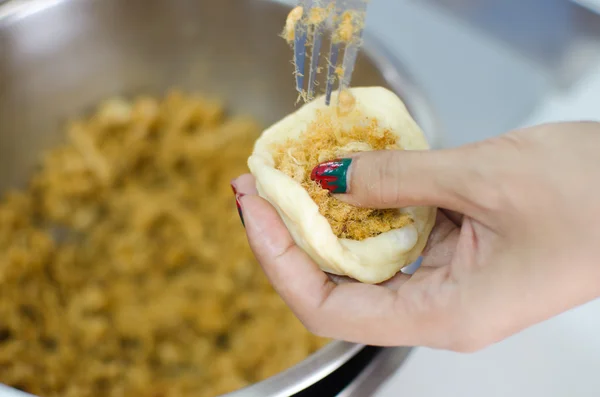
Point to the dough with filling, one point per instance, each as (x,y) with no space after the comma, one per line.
(368,245)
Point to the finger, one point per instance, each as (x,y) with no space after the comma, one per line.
(340,279)
(393,284)
(399,178)
(442,242)
(347,312)
(244,185)
(293,274)
(454,216)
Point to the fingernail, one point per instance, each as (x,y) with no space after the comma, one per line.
(237,203)
(332,175)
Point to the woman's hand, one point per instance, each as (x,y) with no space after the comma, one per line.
(517,241)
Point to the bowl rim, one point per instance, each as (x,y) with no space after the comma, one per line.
(336,353)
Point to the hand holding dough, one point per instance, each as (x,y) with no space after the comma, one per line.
(374,245)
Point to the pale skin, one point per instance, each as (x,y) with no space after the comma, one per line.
(517,241)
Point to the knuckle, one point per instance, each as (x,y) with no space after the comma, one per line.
(387,187)
(486,177)
(492,198)
(489,189)
(308,308)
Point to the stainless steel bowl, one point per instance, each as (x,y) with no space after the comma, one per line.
(60,57)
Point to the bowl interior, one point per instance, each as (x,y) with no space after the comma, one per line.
(61,57)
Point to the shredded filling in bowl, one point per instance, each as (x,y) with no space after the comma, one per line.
(124,269)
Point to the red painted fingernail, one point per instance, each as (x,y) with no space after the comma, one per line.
(332,175)
(237,203)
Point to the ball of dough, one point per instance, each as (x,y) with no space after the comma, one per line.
(370,260)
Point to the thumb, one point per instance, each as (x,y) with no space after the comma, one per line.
(400,178)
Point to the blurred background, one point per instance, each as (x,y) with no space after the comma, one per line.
(488,65)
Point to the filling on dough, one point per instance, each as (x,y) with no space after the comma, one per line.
(327,138)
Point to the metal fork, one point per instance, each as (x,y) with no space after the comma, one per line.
(305,27)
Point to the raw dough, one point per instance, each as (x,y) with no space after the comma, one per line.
(374,259)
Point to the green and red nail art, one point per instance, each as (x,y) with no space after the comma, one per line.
(332,175)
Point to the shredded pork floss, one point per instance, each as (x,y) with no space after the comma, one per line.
(124,269)
(327,138)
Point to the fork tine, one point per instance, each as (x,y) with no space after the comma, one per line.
(334,52)
(318,17)
(352,48)
(350,55)
(300,56)
(331,70)
(314,61)
(300,37)
(308,20)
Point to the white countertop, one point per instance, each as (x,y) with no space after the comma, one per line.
(560,357)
